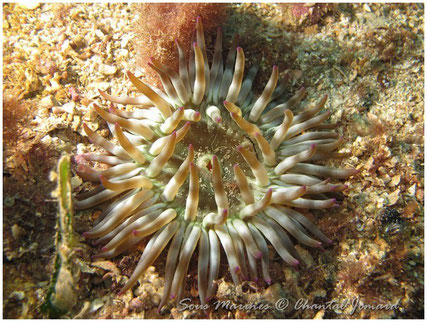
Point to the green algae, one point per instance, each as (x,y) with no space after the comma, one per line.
(62,295)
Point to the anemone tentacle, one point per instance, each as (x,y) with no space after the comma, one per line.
(208,164)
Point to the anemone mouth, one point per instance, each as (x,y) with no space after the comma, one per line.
(221,140)
(208,165)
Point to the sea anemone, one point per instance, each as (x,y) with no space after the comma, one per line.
(248,160)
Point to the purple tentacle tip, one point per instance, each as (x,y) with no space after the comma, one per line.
(336,204)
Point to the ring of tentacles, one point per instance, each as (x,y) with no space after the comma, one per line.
(207,164)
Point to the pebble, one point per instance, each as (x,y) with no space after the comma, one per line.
(83,311)
(47,140)
(99,85)
(393,197)
(273,293)
(76,182)
(16,231)
(319,315)
(67,108)
(394,180)
(96,304)
(367,8)
(46,101)
(99,34)
(17,295)
(135,304)
(107,69)
(412,189)
(29,5)
(9,201)
(319,293)
(108,266)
